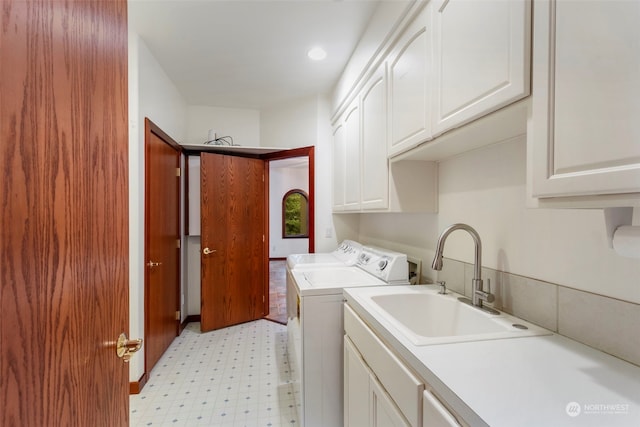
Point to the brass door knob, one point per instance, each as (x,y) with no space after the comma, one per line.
(152,264)
(126,347)
(208,251)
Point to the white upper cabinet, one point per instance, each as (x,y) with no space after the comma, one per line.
(409,97)
(352,146)
(375,168)
(361,170)
(338,168)
(481,58)
(363,178)
(584,133)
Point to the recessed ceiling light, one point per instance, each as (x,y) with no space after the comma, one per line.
(317,54)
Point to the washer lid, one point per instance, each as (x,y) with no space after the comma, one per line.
(339,278)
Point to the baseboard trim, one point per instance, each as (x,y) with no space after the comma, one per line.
(278,259)
(136,386)
(190,318)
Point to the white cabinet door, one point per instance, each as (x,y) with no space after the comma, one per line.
(434,413)
(375,169)
(352,143)
(409,97)
(481,58)
(585,138)
(384,412)
(338,167)
(356,388)
(366,403)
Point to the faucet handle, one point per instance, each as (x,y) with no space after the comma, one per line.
(443,287)
(486,295)
(490,297)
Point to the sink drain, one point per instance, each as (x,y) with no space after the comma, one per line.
(519,326)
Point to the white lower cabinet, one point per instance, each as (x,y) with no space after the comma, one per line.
(356,388)
(367,404)
(379,389)
(395,392)
(434,413)
(384,411)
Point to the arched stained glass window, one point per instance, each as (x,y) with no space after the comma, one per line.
(295,215)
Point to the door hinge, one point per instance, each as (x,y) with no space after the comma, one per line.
(262,177)
(263,238)
(178,243)
(178,315)
(178,172)
(263,299)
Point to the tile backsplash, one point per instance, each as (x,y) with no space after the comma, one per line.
(607,324)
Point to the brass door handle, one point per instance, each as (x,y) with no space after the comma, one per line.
(153,264)
(126,347)
(208,251)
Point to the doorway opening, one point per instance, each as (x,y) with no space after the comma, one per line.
(290,172)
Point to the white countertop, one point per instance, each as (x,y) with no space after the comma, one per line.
(531,381)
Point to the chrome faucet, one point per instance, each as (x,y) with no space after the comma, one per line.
(478,295)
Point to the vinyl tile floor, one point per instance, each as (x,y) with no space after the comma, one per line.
(233,377)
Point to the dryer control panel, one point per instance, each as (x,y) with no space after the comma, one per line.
(392,267)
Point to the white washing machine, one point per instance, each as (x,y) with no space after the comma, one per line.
(345,254)
(315,328)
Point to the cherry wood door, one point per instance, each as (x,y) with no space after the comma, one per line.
(162,234)
(233,257)
(64,261)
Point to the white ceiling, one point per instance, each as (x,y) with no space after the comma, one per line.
(250,53)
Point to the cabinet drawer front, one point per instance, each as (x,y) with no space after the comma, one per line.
(403,387)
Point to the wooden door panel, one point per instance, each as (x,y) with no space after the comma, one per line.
(233,225)
(64,218)
(162,222)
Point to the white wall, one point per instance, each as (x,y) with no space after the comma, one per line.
(564,246)
(152,95)
(282,180)
(486,189)
(243,125)
(290,125)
